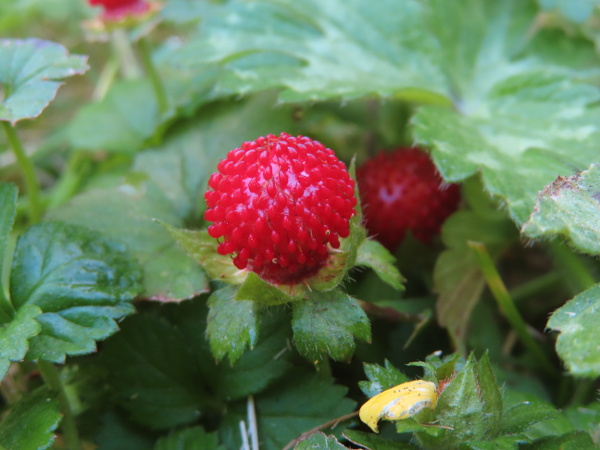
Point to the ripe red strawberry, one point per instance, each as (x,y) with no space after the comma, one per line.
(280,203)
(403,190)
(118,9)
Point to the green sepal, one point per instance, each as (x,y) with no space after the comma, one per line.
(327,324)
(340,261)
(202,248)
(260,291)
(232,325)
(375,256)
(468,409)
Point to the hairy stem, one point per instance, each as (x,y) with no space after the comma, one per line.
(53,381)
(28,170)
(152,73)
(507,305)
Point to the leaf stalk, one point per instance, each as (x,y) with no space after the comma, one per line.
(507,305)
(28,171)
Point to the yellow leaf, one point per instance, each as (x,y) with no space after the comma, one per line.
(400,402)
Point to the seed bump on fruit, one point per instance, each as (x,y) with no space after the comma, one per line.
(279,204)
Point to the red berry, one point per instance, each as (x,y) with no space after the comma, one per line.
(278,204)
(118,9)
(403,190)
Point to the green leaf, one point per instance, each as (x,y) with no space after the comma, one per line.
(82,283)
(321,441)
(122,122)
(232,324)
(125,215)
(32,421)
(189,438)
(164,375)
(501,443)
(266,362)
(297,403)
(327,323)
(381,378)
(115,433)
(574,440)
(15,336)
(155,373)
(375,256)
(577,343)
(374,442)
(30,74)
(570,208)
(8,208)
(521,416)
(526,139)
(354,40)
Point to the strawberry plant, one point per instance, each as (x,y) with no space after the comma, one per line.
(301,224)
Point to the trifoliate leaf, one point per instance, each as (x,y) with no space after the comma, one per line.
(381,378)
(189,438)
(8,208)
(321,441)
(375,256)
(232,324)
(82,283)
(577,343)
(30,74)
(32,421)
(570,208)
(327,323)
(297,403)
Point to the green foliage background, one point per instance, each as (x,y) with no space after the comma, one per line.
(101,290)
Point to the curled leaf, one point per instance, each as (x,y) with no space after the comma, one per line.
(400,402)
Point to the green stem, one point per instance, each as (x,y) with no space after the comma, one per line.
(507,305)
(28,170)
(583,388)
(152,73)
(129,65)
(573,267)
(539,285)
(77,168)
(53,381)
